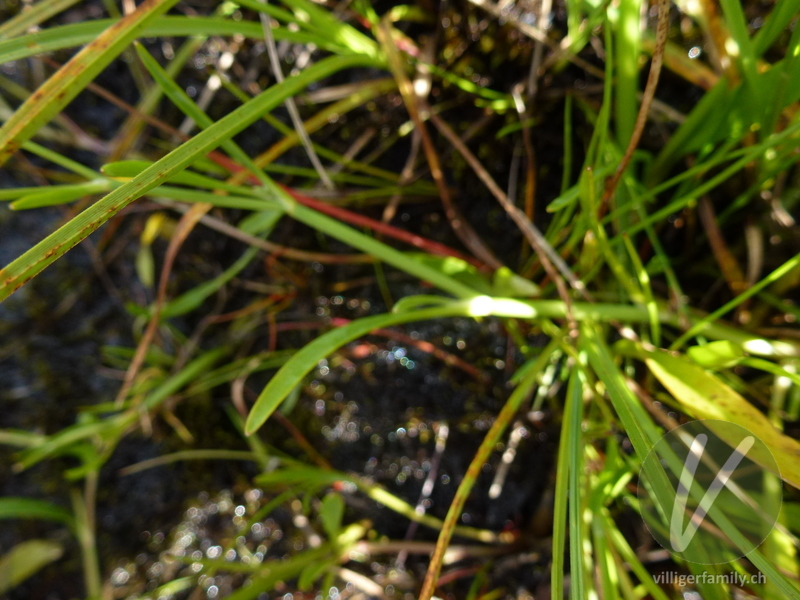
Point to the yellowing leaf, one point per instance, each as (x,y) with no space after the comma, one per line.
(703,396)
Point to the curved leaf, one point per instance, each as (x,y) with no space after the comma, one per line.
(297,367)
(24,560)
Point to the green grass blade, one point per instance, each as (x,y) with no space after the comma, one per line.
(305,359)
(777,23)
(30,508)
(33,16)
(233,369)
(78,34)
(703,324)
(746,57)
(184,377)
(58,243)
(371,246)
(573,417)
(192,299)
(61,160)
(63,86)
(637,423)
(561,501)
(325,24)
(21,439)
(61,194)
(489,444)
(132,168)
(58,443)
(706,119)
(629,555)
(627,48)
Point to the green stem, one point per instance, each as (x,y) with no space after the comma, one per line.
(83,506)
(512,405)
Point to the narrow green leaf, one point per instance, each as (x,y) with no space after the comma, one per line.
(33,16)
(60,194)
(188,301)
(638,425)
(25,560)
(30,508)
(58,243)
(235,368)
(184,377)
(745,56)
(573,418)
(305,359)
(21,439)
(78,34)
(561,501)
(627,47)
(313,572)
(331,513)
(370,245)
(776,24)
(64,85)
(621,544)
(703,324)
(322,22)
(132,168)
(59,443)
(293,476)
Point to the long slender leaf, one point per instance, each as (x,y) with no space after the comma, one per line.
(777,23)
(31,508)
(68,82)
(41,11)
(78,34)
(310,217)
(488,445)
(55,245)
(573,417)
(297,367)
(561,501)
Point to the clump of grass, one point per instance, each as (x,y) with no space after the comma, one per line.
(655,308)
